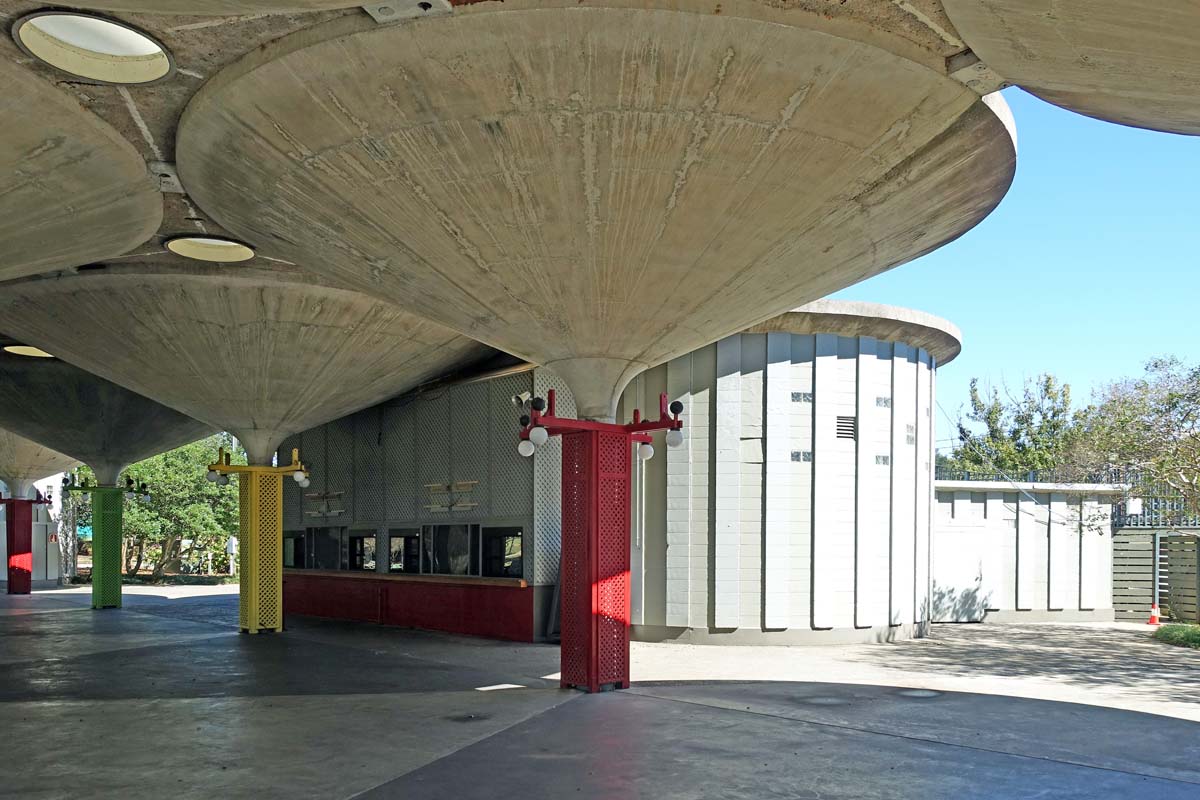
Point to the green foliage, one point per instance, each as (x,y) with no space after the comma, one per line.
(1018,434)
(187,516)
(1181,635)
(1152,425)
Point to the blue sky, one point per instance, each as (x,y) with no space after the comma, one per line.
(1089,267)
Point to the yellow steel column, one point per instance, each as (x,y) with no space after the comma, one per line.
(260,549)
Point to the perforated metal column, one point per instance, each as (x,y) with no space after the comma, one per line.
(260,556)
(18,516)
(108,504)
(595,560)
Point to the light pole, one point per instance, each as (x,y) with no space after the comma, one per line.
(594,577)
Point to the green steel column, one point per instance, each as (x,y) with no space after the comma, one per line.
(107,506)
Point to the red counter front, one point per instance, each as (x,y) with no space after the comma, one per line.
(498,608)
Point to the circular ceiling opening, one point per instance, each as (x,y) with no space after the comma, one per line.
(210,248)
(93,48)
(27,350)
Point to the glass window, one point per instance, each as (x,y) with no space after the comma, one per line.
(326,548)
(362,552)
(502,553)
(293,551)
(449,550)
(404,551)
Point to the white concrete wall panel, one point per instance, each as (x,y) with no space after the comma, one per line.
(801,490)
(750,500)
(1062,574)
(782,489)
(679,497)
(873,496)
(905,457)
(924,487)
(728,466)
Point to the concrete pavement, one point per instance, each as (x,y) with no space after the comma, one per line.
(164,696)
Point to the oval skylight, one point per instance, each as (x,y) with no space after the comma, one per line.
(93,48)
(209,248)
(27,350)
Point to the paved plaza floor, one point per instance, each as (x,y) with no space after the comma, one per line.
(164,698)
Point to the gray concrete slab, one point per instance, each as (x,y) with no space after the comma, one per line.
(165,698)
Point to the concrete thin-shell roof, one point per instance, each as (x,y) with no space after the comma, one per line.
(595,188)
(260,354)
(87,417)
(1135,62)
(23,461)
(939,337)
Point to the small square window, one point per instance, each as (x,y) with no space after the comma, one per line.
(804,456)
(883,461)
(847,427)
(802,397)
(883,402)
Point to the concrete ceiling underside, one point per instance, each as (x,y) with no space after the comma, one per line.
(1135,62)
(23,461)
(257,353)
(74,190)
(594,189)
(87,417)
(593,186)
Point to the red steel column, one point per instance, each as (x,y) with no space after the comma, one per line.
(19,523)
(595,559)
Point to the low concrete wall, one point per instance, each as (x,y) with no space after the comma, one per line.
(1022,552)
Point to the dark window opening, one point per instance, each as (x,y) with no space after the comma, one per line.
(449,550)
(502,553)
(293,552)
(404,548)
(326,548)
(361,554)
(847,427)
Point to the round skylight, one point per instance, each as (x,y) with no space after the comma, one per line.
(209,248)
(27,350)
(92,47)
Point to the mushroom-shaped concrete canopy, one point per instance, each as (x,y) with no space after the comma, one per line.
(258,353)
(938,337)
(74,191)
(23,461)
(91,419)
(1136,62)
(593,188)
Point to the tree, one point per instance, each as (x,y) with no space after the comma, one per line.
(1151,426)
(1016,435)
(187,515)
(186,518)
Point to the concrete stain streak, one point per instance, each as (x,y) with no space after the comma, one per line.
(946,36)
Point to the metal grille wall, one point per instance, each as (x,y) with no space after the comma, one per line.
(107,509)
(547,488)
(445,456)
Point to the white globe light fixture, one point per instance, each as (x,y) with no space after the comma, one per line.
(645,451)
(298,475)
(539,436)
(212,475)
(674,438)
(526,448)
(304,484)
(223,480)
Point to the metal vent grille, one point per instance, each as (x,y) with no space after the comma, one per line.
(847,427)
(576,587)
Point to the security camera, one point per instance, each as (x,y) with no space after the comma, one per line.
(519,400)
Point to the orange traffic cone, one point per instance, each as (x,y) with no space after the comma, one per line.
(1154,618)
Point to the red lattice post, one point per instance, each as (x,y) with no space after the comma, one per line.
(594,577)
(18,515)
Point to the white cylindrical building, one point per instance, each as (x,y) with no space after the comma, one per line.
(798,508)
